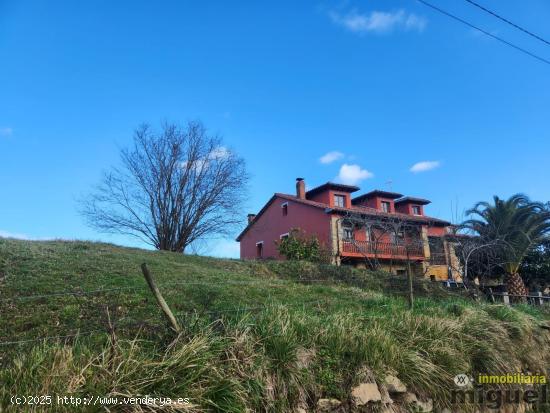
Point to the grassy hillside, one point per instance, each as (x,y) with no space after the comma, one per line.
(263,336)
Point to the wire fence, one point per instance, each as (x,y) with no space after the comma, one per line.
(134,323)
(396,286)
(164,285)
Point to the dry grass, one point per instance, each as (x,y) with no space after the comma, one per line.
(286,355)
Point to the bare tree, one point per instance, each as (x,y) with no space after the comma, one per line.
(475,251)
(173,188)
(405,241)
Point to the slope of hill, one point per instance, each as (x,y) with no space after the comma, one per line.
(78,319)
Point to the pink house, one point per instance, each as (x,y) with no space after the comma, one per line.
(346,227)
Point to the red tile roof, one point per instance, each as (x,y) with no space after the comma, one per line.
(334,186)
(354,209)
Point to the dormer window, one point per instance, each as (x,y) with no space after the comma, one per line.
(340,201)
(386,206)
(284,208)
(416,210)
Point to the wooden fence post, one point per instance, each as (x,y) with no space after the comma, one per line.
(506,298)
(410,283)
(160,298)
(492,296)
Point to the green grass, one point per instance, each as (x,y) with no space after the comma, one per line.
(246,327)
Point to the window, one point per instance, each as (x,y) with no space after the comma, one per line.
(260,249)
(416,210)
(348,233)
(386,206)
(340,201)
(437,251)
(284,208)
(369,234)
(284,236)
(398,238)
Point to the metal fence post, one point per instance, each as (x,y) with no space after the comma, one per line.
(506,298)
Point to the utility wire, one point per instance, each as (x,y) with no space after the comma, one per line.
(500,39)
(508,21)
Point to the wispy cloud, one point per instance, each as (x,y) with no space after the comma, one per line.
(6,131)
(331,157)
(18,235)
(424,166)
(379,21)
(7,234)
(217,154)
(353,174)
(221,152)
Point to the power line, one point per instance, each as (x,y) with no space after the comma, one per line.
(508,21)
(500,39)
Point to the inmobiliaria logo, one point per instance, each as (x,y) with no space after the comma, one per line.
(494,391)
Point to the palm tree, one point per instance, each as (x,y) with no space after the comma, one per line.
(518,225)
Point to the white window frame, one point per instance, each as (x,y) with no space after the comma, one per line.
(262,244)
(340,196)
(283,205)
(418,208)
(285,235)
(369,234)
(344,230)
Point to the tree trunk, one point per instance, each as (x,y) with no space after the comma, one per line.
(516,286)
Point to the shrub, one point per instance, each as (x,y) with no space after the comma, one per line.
(298,246)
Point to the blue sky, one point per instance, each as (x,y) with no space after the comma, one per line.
(383,85)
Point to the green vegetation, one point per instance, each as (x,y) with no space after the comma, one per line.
(518,226)
(267,336)
(298,246)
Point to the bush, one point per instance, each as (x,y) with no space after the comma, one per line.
(298,246)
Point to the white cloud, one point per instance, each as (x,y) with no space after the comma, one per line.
(379,21)
(7,234)
(219,153)
(6,131)
(331,157)
(424,166)
(16,235)
(352,174)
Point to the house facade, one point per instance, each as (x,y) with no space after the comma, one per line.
(378,229)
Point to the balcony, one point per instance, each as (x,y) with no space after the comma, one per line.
(381,250)
(438,258)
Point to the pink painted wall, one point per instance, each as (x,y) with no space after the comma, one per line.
(406,208)
(327,197)
(376,202)
(360,234)
(437,231)
(272,224)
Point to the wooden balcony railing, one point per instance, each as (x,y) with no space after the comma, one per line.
(382,249)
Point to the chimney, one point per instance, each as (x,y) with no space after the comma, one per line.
(251,217)
(300,188)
